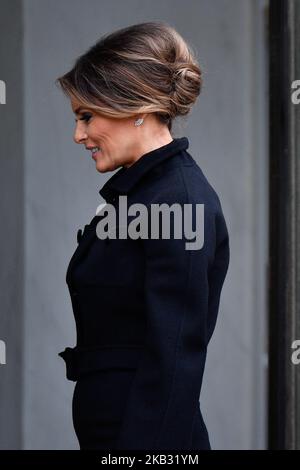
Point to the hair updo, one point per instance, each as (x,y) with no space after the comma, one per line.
(143,68)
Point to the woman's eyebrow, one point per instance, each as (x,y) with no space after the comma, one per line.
(78,110)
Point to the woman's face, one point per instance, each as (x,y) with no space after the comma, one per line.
(116,139)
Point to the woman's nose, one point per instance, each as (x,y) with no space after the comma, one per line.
(79,135)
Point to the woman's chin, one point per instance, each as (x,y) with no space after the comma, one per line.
(101,166)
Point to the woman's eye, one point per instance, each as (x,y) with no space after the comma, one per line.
(85,117)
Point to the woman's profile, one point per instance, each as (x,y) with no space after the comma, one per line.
(145,307)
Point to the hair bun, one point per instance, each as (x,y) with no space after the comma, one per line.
(186,86)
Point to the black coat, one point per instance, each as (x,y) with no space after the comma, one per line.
(151,304)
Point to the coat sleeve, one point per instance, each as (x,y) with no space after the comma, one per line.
(164,395)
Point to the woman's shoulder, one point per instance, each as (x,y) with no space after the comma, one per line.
(179,180)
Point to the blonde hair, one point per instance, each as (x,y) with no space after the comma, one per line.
(143,68)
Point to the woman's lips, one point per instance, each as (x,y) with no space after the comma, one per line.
(95,154)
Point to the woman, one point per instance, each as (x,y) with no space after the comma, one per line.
(145,307)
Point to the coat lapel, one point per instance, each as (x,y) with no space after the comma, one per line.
(87,237)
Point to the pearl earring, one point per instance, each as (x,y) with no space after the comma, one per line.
(138,122)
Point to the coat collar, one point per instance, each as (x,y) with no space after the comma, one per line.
(126,178)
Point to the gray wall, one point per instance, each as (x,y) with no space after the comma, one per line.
(12,224)
(228,133)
